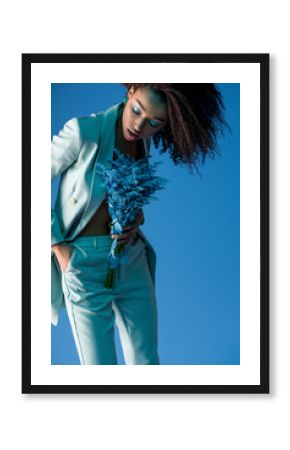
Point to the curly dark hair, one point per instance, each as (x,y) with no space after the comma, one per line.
(195,117)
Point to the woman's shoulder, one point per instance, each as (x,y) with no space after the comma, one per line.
(90,126)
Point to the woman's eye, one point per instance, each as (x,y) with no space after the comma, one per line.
(153,123)
(136,110)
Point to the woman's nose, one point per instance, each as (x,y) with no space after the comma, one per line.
(139,124)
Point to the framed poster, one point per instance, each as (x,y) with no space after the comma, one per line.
(188,310)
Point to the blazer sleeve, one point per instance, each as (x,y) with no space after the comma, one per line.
(65,149)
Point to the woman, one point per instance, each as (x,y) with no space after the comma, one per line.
(186,119)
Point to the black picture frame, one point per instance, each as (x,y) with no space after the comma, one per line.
(260,59)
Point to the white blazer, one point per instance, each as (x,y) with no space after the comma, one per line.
(77,148)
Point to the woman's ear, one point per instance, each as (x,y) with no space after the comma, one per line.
(131,91)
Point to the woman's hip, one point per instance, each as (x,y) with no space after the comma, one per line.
(89,264)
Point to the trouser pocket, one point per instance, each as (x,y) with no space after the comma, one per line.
(72,255)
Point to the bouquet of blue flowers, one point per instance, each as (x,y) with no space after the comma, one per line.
(130,185)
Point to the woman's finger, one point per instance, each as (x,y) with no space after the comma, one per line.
(129,233)
(128,228)
(120,237)
(124,236)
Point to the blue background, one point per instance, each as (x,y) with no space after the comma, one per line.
(195,230)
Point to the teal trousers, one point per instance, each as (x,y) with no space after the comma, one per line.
(93,309)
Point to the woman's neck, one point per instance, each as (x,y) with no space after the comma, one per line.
(121,143)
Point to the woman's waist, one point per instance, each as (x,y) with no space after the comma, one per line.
(99,224)
(96,230)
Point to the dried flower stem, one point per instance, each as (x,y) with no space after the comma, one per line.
(111,272)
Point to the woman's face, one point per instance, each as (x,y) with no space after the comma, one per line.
(144,114)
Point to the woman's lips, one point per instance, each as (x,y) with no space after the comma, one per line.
(132,135)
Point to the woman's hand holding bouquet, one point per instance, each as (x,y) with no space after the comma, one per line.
(130,230)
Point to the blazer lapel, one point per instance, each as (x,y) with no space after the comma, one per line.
(108,135)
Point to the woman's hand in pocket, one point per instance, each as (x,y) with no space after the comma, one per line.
(63,254)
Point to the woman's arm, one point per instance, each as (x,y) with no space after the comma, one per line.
(65,149)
